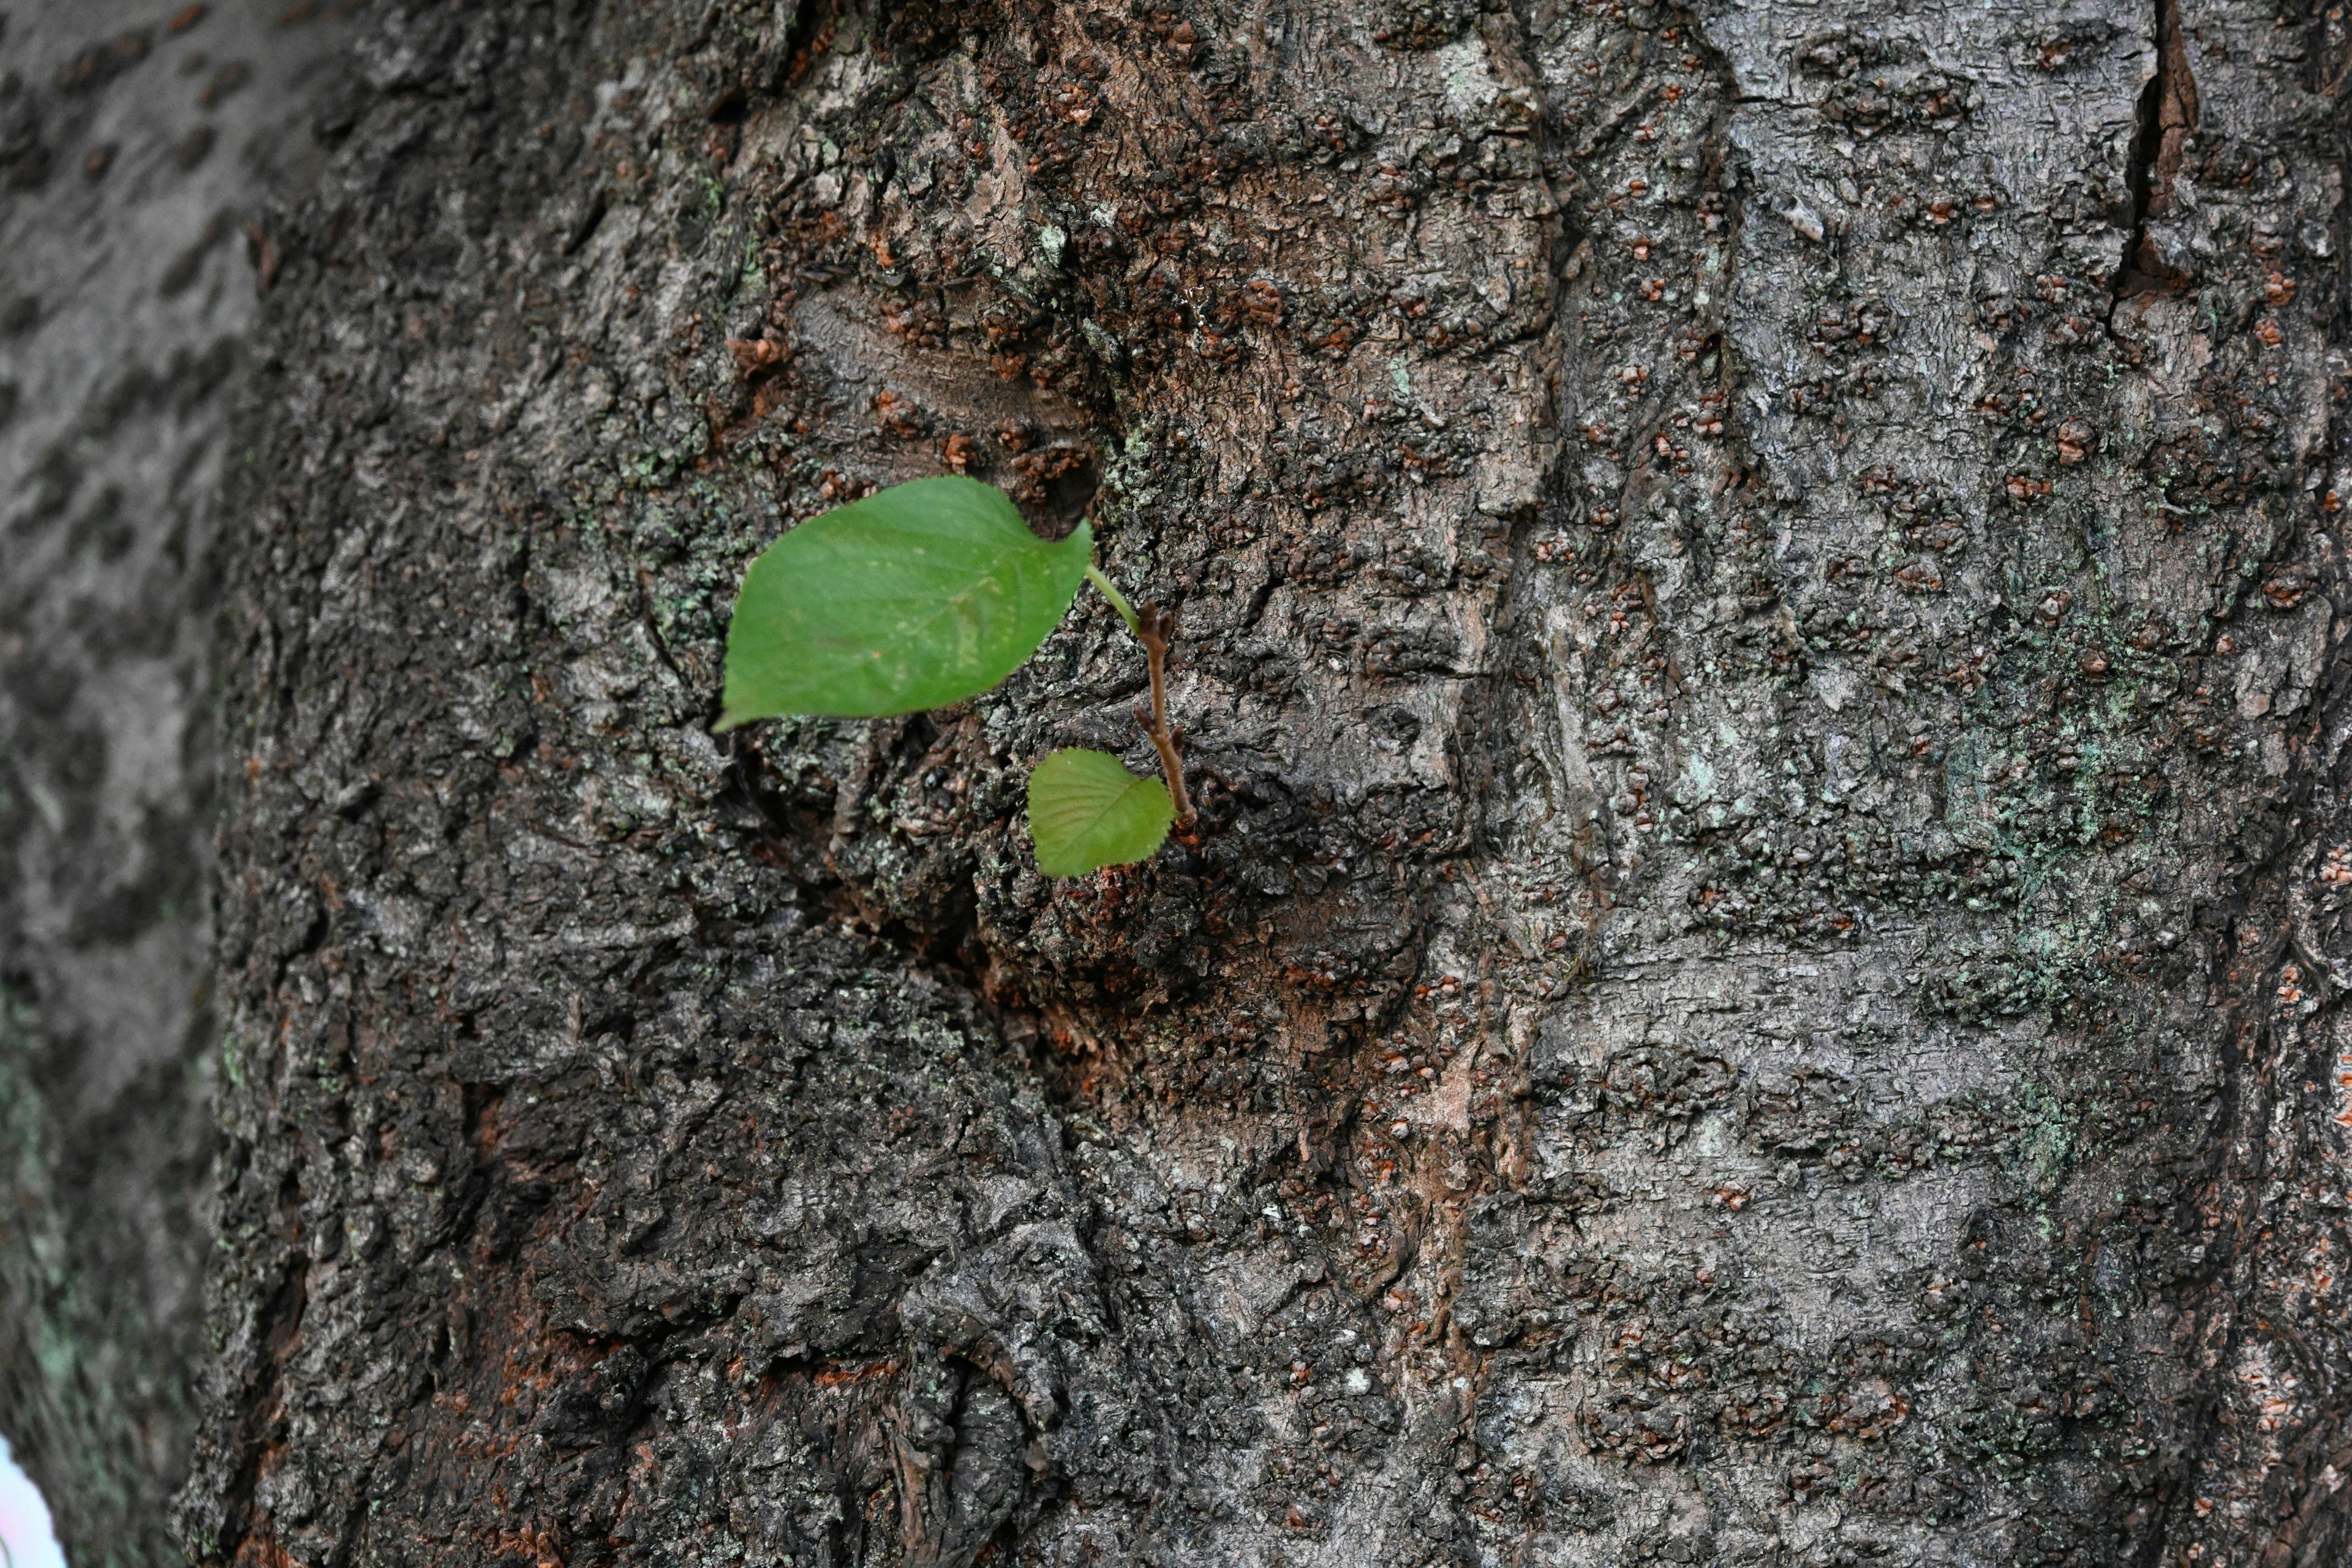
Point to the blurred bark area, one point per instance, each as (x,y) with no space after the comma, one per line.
(1760,977)
(136,143)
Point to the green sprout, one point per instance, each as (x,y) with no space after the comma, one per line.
(931,592)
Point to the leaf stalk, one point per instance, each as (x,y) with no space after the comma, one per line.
(1117,600)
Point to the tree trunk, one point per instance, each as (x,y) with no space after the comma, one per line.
(1759,978)
(133,143)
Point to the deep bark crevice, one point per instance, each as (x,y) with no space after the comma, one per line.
(2166,120)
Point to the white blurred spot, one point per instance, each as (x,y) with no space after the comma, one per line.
(24,1531)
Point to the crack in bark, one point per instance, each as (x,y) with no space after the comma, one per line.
(2167,119)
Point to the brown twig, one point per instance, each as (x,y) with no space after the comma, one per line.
(1156,629)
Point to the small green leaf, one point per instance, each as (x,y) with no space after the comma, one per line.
(1087,811)
(917,596)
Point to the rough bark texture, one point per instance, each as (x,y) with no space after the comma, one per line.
(1759,980)
(130,150)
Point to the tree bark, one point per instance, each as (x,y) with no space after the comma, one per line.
(1758,977)
(135,143)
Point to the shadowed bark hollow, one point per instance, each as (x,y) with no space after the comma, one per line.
(1759,974)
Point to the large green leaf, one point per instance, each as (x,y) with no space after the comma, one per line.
(917,596)
(1087,811)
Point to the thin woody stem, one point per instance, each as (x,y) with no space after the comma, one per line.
(1156,629)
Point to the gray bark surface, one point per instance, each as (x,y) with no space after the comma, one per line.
(132,151)
(1760,977)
